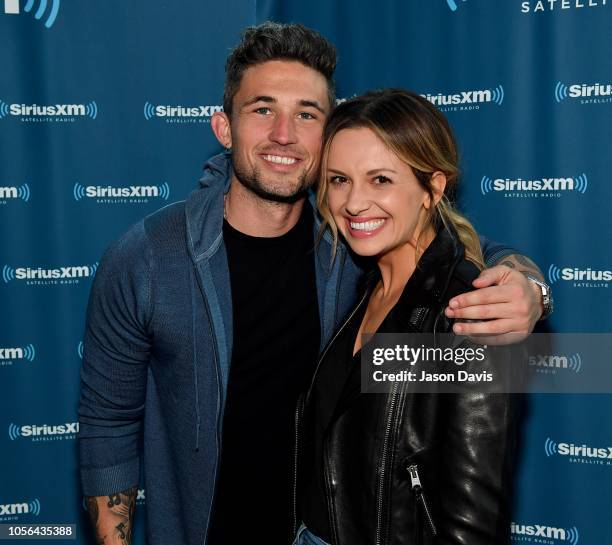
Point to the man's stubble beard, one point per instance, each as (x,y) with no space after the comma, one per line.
(252,180)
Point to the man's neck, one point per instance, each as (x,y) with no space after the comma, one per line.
(257,217)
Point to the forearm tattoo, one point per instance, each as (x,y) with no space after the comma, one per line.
(523,264)
(117,514)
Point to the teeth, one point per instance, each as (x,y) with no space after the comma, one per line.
(280,160)
(366,225)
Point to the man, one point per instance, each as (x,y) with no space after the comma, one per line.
(232,275)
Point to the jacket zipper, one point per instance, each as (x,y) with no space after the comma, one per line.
(220,393)
(383,463)
(302,402)
(298,414)
(417,487)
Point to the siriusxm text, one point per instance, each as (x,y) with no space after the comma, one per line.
(62,429)
(545,184)
(28,273)
(465,97)
(14,509)
(569,449)
(11,354)
(70,110)
(132,191)
(569,273)
(538,530)
(181,111)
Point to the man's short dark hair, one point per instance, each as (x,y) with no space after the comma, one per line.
(274,41)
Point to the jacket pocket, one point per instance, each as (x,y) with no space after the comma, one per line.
(423,515)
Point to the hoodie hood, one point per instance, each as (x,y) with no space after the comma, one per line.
(204,208)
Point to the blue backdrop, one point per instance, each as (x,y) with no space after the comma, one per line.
(104,117)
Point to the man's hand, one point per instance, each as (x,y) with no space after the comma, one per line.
(509,303)
(113,517)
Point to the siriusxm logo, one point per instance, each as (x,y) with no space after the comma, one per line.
(579,453)
(11,511)
(543,187)
(80,347)
(44,432)
(466,100)
(180,114)
(11,7)
(570,535)
(127,194)
(540,6)
(595,93)
(58,113)
(581,278)
(62,275)
(452,4)
(550,363)
(9,355)
(21,192)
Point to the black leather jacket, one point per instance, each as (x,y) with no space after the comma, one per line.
(407,469)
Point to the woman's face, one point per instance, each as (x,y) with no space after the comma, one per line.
(374,197)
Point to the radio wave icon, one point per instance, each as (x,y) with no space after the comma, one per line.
(80,349)
(78,191)
(4,109)
(23,192)
(164,191)
(575,363)
(14,432)
(554,274)
(582,183)
(550,447)
(572,535)
(29,352)
(486,185)
(93,269)
(149,111)
(452,4)
(8,274)
(92,109)
(42,7)
(561,91)
(498,95)
(34,507)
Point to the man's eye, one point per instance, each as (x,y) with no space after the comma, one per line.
(263,110)
(382,180)
(306,115)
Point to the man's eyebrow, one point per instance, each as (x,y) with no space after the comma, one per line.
(259,98)
(312,104)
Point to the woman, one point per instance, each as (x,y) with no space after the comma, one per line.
(398,468)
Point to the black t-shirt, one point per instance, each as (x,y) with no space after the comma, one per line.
(276,342)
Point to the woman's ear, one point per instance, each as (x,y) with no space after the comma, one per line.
(438,185)
(220,124)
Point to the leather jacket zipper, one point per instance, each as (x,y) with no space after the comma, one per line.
(302,403)
(383,464)
(417,487)
(299,409)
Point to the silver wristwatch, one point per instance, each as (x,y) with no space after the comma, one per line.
(547,300)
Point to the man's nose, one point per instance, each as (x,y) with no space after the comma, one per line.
(283,131)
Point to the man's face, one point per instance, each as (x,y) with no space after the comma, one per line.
(276,129)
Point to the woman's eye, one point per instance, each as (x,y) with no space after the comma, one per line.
(382,180)
(337,180)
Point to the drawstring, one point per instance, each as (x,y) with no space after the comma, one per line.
(194,358)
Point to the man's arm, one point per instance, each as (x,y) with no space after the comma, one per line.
(505,305)
(113,386)
(112,517)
